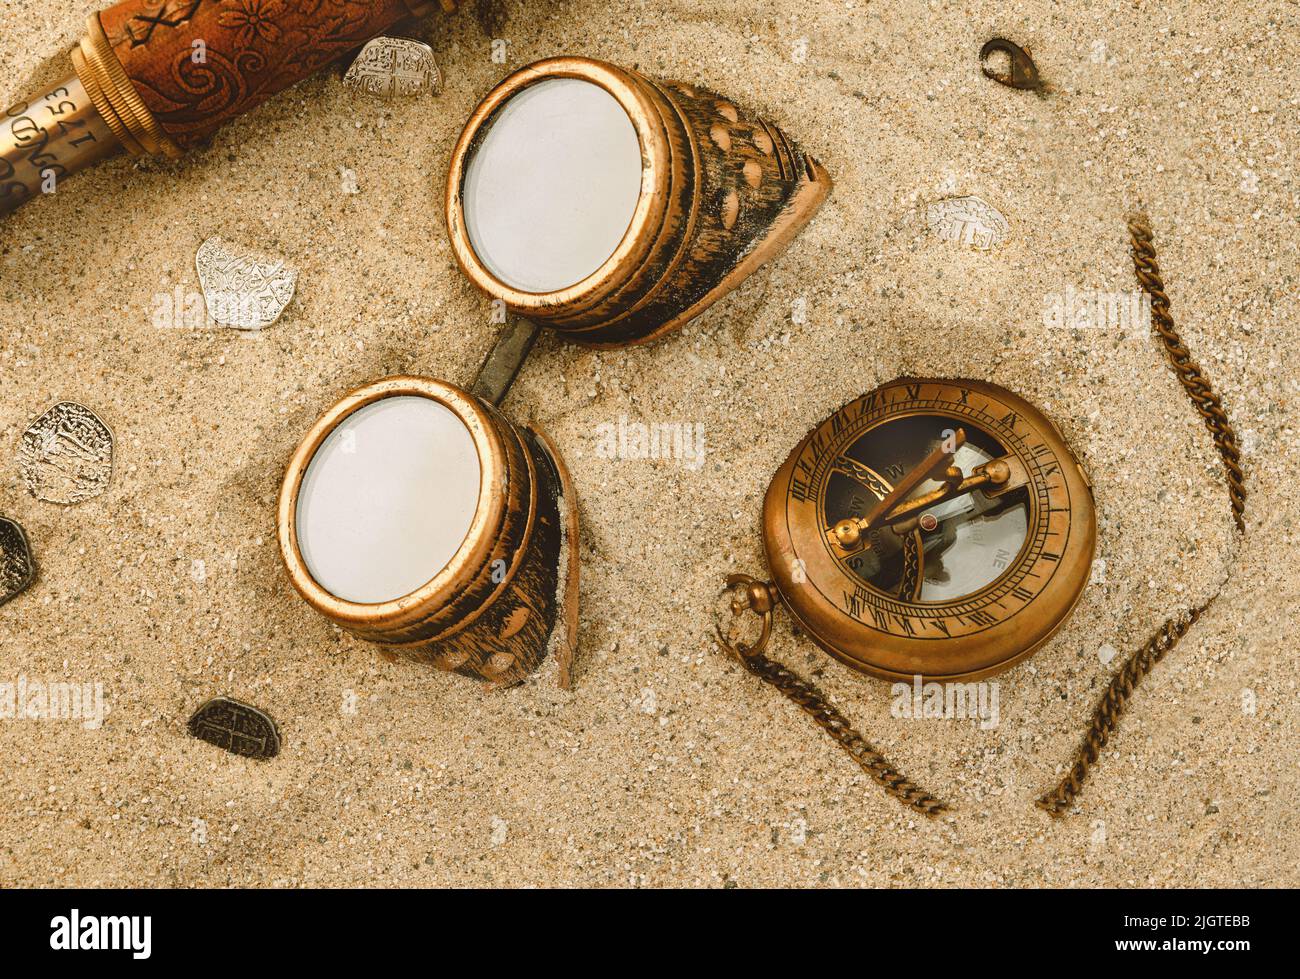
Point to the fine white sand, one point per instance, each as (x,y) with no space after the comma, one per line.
(666,764)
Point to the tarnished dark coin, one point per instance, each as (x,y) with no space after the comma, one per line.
(17,569)
(236,727)
(66,455)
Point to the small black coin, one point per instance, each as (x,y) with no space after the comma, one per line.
(236,727)
(17,569)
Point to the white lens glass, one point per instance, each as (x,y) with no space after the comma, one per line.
(387,499)
(985,537)
(551,187)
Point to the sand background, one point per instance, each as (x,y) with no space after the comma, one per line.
(667,765)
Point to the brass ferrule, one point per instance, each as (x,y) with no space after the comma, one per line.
(115,97)
(47,138)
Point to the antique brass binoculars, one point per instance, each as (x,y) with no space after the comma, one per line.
(585,198)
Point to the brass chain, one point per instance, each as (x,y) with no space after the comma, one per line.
(814,703)
(1189,373)
(1106,717)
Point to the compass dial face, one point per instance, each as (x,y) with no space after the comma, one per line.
(971,538)
(965,586)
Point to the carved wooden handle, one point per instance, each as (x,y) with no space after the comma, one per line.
(194,64)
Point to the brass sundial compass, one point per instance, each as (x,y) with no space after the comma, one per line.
(931,528)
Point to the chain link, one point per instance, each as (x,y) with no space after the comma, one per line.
(1106,717)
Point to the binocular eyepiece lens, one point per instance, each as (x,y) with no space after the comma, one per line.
(387,499)
(551,187)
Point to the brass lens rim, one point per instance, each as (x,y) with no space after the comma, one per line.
(465,565)
(632,93)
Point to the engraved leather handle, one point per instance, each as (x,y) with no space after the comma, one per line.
(170,72)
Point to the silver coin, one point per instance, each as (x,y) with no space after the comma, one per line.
(239,289)
(968,221)
(394,67)
(66,455)
(17,569)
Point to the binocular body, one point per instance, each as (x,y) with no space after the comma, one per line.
(722,192)
(490,612)
(590,200)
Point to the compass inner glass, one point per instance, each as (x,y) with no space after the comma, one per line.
(387,499)
(974,537)
(552,185)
